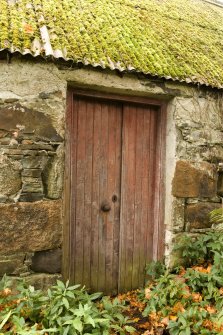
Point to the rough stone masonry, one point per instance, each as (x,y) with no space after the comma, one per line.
(32,128)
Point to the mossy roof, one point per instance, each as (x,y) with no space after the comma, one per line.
(175,39)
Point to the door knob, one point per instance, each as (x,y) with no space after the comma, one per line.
(105,207)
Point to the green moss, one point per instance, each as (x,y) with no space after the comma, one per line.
(172,38)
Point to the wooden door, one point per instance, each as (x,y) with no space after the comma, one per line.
(112,177)
(139,133)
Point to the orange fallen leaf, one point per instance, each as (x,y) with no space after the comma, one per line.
(6,292)
(145,325)
(147,293)
(207,324)
(173,317)
(182,271)
(210,309)
(178,307)
(165,321)
(202,268)
(197,297)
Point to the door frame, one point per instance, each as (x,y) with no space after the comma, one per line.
(69,193)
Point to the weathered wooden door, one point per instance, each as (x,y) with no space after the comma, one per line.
(113,179)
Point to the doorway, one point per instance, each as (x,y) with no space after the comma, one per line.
(113,201)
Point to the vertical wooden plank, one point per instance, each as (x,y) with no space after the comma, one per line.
(117,204)
(80,186)
(138,234)
(130,202)
(73,180)
(122,245)
(67,186)
(145,231)
(113,189)
(88,195)
(128,195)
(103,196)
(95,196)
(109,228)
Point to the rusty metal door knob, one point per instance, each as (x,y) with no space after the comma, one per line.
(105,207)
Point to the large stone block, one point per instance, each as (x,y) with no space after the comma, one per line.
(30,197)
(11,265)
(34,173)
(197,215)
(29,120)
(34,162)
(53,175)
(6,267)
(30,226)
(207,186)
(32,185)
(185,182)
(194,182)
(40,281)
(207,179)
(10,176)
(48,261)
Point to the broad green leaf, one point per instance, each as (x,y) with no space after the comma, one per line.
(66,303)
(88,319)
(95,296)
(60,284)
(77,324)
(74,287)
(130,329)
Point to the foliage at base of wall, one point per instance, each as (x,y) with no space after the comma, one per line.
(188,300)
(63,309)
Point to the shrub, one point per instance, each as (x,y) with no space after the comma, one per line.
(66,310)
(201,249)
(190,300)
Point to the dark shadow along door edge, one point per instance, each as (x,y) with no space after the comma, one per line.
(69,193)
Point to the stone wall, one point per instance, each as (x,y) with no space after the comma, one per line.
(197,174)
(31,173)
(32,127)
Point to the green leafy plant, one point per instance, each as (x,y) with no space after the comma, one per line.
(64,309)
(167,291)
(189,322)
(189,300)
(200,249)
(155,269)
